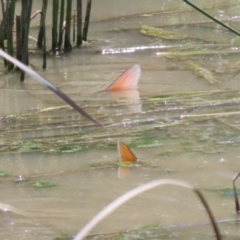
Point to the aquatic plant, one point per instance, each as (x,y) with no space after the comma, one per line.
(58,28)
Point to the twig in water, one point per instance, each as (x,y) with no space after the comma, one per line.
(237,207)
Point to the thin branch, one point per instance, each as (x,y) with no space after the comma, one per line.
(235,193)
(211,17)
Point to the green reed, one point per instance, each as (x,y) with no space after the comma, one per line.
(43,26)
(63,18)
(79,23)
(18,38)
(26,16)
(67,43)
(61,21)
(87,19)
(54,24)
(41,32)
(11,11)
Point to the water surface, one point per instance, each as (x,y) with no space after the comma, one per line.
(175,121)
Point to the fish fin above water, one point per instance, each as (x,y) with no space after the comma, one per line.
(128,80)
(126,155)
(126,158)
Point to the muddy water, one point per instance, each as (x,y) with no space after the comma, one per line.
(166,123)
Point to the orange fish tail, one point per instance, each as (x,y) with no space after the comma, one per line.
(128,80)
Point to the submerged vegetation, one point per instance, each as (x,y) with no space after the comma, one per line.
(198,109)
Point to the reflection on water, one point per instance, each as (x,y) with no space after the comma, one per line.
(176,120)
(134,104)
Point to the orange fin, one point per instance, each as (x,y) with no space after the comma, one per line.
(128,80)
(126,155)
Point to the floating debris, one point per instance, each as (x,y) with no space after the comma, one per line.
(20,178)
(160,33)
(168,35)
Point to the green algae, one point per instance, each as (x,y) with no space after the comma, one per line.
(224,191)
(65,149)
(4,174)
(43,184)
(146,143)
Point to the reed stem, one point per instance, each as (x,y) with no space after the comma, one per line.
(25,16)
(42,24)
(87,19)
(3,30)
(74,25)
(10,22)
(61,30)
(18,38)
(79,23)
(67,43)
(54,24)
(44,9)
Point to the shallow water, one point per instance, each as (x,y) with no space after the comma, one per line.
(176,122)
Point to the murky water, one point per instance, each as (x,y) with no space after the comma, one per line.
(178,122)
